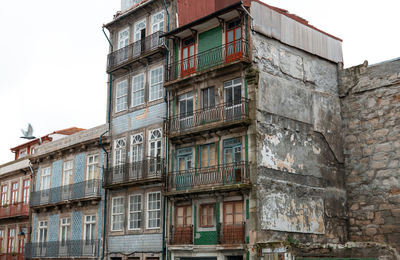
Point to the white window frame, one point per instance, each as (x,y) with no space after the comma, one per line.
(160,28)
(92,165)
(89,219)
(45,173)
(136,141)
(135,37)
(131,211)
(23,153)
(138,91)
(123,96)
(156,84)
(119,39)
(153,139)
(43,225)
(119,147)
(113,214)
(65,223)
(152,210)
(68,168)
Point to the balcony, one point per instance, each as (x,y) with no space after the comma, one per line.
(232,234)
(211,59)
(223,177)
(149,170)
(224,115)
(78,191)
(181,235)
(14,210)
(71,248)
(133,52)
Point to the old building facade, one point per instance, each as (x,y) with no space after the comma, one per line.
(66,199)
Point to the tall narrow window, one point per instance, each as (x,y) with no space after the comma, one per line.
(207,215)
(4,195)
(123,38)
(137,147)
(155,143)
(233,213)
(153,210)
(233,99)
(26,191)
(122,96)
(11,240)
(92,167)
(135,211)
(156,86)
(42,234)
(90,228)
(183,216)
(119,151)
(65,229)
(234,40)
(139,30)
(186,111)
(157,22)
(208,97)
(45,179)
(67,174)
(1,241)
(188,59)
(14,193)
(117,214)
(138,90)
(207,155)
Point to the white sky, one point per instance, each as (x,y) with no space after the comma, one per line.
(53,56)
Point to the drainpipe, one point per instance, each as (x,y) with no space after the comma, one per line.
(166,139)
(102,147)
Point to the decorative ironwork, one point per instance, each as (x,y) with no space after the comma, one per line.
(223,113)
(216,176)
(149,169)
(76,191)
(11,256)
(14,210)
(134,50)
(224,54)
(71,248)
(232,233)
(181,235)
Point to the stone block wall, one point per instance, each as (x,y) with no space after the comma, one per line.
(370,101)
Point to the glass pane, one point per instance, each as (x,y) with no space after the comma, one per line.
(238,33)
(228,208)
(228,156)
(230,36)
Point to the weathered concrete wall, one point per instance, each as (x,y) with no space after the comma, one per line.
(300,186)
(370,98)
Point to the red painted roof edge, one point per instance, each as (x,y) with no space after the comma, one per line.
(30,143)
(292,16)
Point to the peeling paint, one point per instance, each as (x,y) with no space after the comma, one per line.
(316,150)
(269,160)
(274,139)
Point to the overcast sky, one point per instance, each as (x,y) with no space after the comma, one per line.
(53,56)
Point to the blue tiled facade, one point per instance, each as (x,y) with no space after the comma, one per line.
(53,227)
(76,225)
(79,168)
(56,173)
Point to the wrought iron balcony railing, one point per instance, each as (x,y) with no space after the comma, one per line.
(71,248)
(203,118)
(14,210)
(146,170)
(181,235)
(216,176)
(135,50)
(232,233)
(76,191)
(224,54)
(11,256)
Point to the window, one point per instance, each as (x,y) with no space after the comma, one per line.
(1,241)
(117,216)
(138,90)
(208,97)
(186,105)
(11,240)
(135,210)
(233,91)
(65,227)
(155,143)
(233,213)
(119,151)
(26,191)
(140,30)
(233,39)
(14,193)
(157,22)
(207,215)
(122,96)
(153,210)
(92,167)
(42,235)
(232,151)
(4,193)
(183,216)
(23,153)
(123,38)
(185,159)
(156,86)
(188,60)
(22,240)
(67,174)
(90,228)
(207,155)
(126,4)
(33,149)
(45,179)
(137,147)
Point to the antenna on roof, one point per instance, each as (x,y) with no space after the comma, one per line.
(28,133)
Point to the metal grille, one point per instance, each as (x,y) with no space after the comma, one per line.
(71,248)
